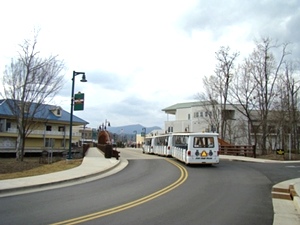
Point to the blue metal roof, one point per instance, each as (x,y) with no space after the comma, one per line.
(44,112)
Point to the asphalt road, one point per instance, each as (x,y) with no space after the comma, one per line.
(228,193)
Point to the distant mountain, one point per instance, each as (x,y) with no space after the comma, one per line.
(130,129)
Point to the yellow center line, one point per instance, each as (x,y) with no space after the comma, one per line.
(181,180)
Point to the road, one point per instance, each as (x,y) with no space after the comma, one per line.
(153,190)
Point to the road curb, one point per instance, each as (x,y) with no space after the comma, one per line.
(287,192)
(62,181)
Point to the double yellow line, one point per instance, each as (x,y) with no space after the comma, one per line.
(181,180)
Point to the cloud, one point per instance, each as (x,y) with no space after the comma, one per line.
(124,111)
(106,80)
(263,18)
(142,56)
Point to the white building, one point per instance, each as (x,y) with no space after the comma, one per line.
(203,116)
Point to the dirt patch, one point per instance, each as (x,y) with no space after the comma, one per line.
(10,165)
(284,157)
(31,166)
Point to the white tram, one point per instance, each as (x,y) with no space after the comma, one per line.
(162,145)
(190,148)
(148,145)
(196,148)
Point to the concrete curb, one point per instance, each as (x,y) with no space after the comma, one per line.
(286,202)
(62,181)
(288,190)
(93,164)
(250,159)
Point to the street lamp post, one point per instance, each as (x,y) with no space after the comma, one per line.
(83,79)
(143,133)
(135,132)
(104,125)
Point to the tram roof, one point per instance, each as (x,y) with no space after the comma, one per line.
(206,134)
(196,133)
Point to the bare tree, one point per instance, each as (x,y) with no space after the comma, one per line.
(241,92)
(208,98)
(224,72)
(265,71)
(216,90)
(29,81)
(287,103)
(292,86)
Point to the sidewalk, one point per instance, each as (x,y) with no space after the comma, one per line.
(286,211)
(94,163)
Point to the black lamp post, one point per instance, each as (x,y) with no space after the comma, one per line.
(144,131)
(104,125)
(83,79)
(135,132)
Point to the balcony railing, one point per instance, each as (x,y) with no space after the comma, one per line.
(42,132)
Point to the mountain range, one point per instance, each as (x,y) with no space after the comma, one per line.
(130,129)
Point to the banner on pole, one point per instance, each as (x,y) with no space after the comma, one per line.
(78,101)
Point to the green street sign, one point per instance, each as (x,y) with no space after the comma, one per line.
(143,134)
(78,101)
(94,133)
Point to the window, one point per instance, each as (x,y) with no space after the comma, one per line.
(162,141)
(8,125)
(286,129)
(271,129)
(196,114)
(189,116)
(228,114)
(61,128)
(48,128)
(201,114)
(255,129)
(2,123)
(49,142)
(204,142)
(63,143)
(180,141)
(58,112)
(26,106)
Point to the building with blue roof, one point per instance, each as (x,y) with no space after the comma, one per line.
(51,129)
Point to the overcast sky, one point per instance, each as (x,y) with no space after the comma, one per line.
(141,56)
